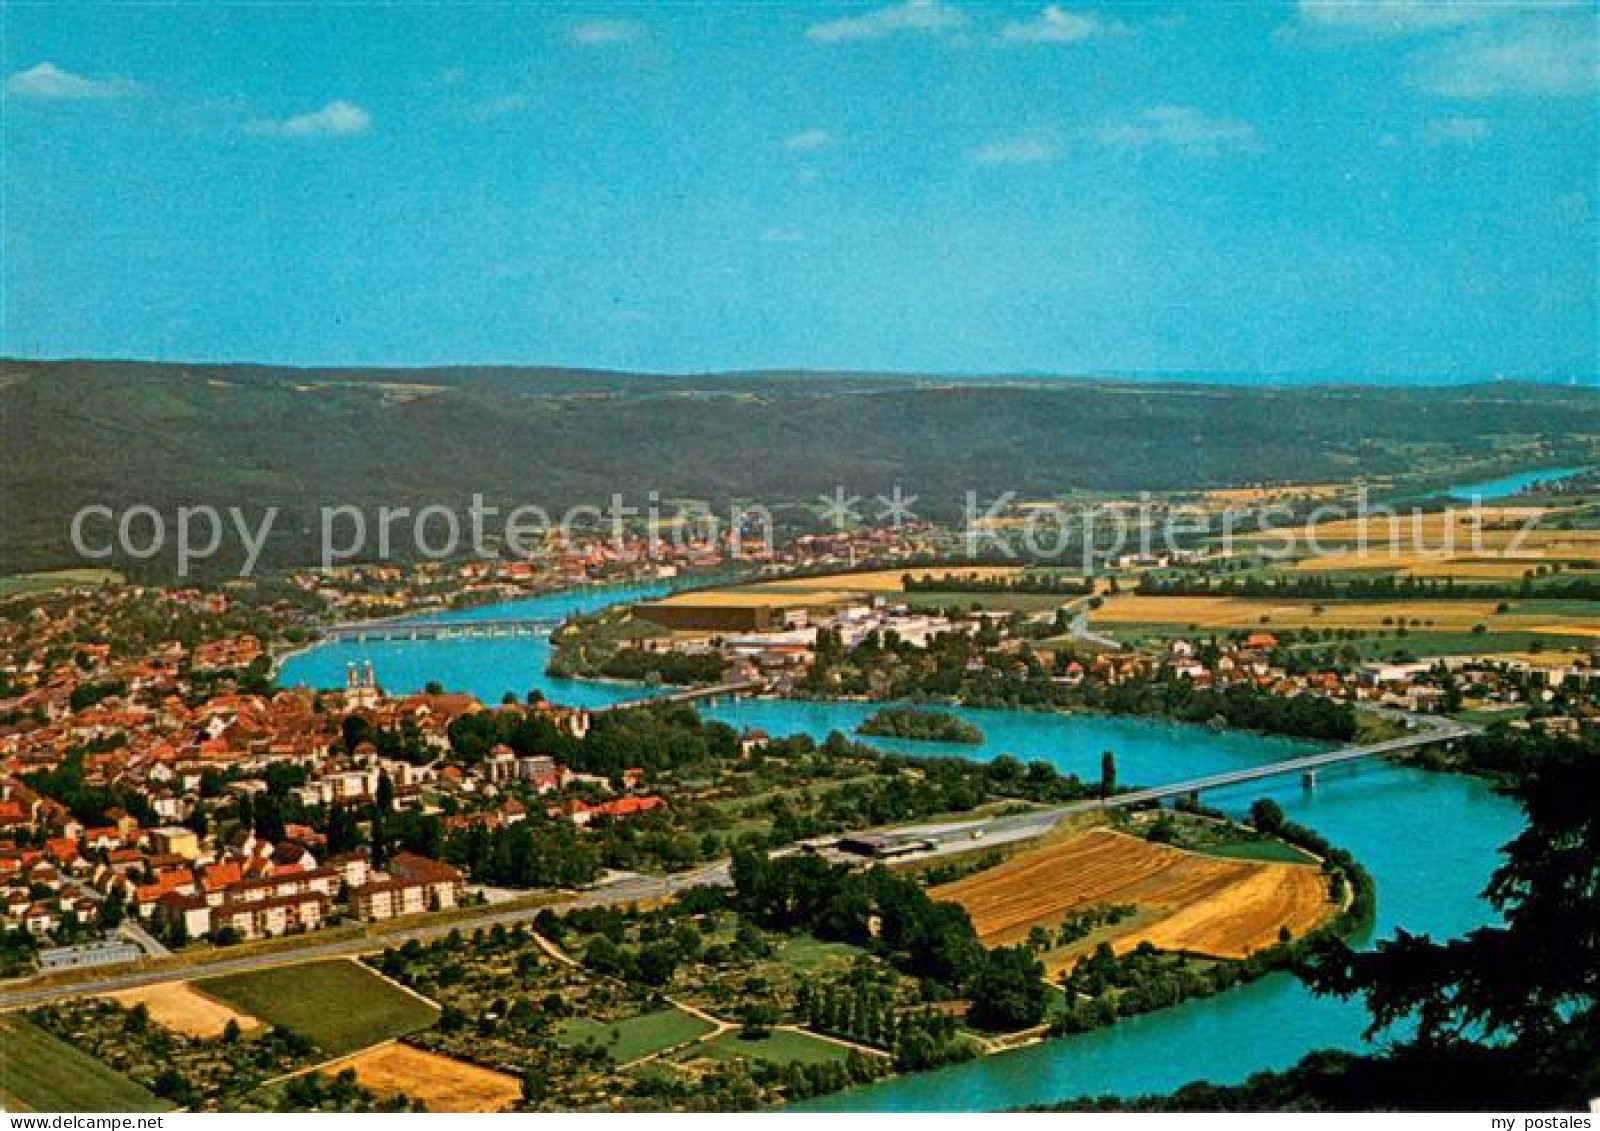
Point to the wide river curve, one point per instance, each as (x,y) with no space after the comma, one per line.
(1429,840)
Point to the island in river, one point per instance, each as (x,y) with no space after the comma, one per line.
(921,725)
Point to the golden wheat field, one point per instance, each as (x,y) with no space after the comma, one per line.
(183,1009)
(1203,904)
(1267,613)
(1490,533)
(757,597)
(440,1082)
(883,580)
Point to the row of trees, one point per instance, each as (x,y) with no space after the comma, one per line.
(1322,587)
(1032,581)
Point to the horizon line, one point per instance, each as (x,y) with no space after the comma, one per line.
(1180,376)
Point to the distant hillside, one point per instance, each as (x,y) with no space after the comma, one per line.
(121,432)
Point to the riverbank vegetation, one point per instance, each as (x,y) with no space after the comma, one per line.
(717,792)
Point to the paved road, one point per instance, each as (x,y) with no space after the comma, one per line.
(1078,628)
(946,839)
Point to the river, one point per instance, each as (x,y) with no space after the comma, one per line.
(1429,841)
(1508,485)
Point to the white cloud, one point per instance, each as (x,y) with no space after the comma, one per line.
(336,119)
(1057,26)
(1456,131)
(1390,18)
(1185,129)
(809,139)
(48,82)
(1015,151)
(1536,57)
(605,33)
(783,235)
(915,17)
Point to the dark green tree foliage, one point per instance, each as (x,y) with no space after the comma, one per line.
(878,909)
(1324,588)
(1532,983)
(1006,990)
(89,804)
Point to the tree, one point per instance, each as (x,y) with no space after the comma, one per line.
(1267,816)
(533,1087)
(657,961)
(1008,991)
(1108,774)
(112,909)
(1517,1003)
(757,1019)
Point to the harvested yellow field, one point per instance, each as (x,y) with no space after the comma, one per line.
(1225,497)
(1585,630)
(883,580)
(1435,526)
(1411,538)
(756,597)
(440,1082)
(1202,904)
(183,1009)
(1266,614)
(1507,567)
(826,589)
(1550,659)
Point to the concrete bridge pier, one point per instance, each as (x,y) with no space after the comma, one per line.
(1308,780)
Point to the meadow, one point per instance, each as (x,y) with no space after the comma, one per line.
(631,1038)
(339,1004)
(780,1046)
(40,1073)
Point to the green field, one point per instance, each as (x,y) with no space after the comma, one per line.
(1270,850)
(806,953)
(18,583)
(1424,644)
(629,1039)
(779,1047)
(340,1005)
(1487,716)
(40,1073)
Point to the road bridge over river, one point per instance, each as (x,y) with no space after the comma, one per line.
(362,632)
(958,836)
(1432,732)
(713,691)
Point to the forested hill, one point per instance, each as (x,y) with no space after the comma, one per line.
(80,432)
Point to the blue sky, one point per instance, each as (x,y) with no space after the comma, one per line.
(1343,189)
